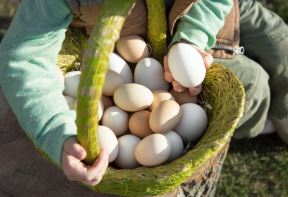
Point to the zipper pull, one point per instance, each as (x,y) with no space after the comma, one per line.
(235,50)
(238,50)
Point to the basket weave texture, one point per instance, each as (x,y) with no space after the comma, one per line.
(223,99)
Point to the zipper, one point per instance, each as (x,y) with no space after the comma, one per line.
(234,50)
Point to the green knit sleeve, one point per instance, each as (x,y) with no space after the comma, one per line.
(28,73)
(202,23)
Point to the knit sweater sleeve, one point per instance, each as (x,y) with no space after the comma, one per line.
(202,23)
(28,73)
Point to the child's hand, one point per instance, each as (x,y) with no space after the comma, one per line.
(76,170)
(207,58)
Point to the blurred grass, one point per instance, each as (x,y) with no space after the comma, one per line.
(7,7)
(254,167)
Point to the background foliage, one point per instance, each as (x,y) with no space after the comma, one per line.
(278,6)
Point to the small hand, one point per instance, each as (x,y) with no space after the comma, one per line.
(76,170)
(207,58)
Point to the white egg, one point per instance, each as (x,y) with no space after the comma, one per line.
(108,141)
(153,150)
(71,102)
(150,73)
(116,119)
(127,145)
(192,123)
(119,65)
(100,110)
(118,73)
(112,82)
(186,65)
(176,143)
(71,83)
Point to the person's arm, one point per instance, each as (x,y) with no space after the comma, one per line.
(199,27)
(202,23)
(28,73)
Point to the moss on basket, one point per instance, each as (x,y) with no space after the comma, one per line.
(70,55)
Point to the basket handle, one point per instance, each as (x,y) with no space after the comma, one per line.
(95,63)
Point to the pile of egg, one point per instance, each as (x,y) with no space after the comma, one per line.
(142,121)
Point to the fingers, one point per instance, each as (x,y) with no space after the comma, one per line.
(76,170)
(73,148)
(207,58)
(98,169)
(177,86)
(167,74)
(73,168)
(195,90)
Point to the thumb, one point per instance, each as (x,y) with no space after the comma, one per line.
(207,58)
(72,147)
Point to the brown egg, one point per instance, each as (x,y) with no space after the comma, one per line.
(132,48)
(132,97)
(107,101)
(165,116)
(159,96)
(139,124)
(183,97)
(153,150)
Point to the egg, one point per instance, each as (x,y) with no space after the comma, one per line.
(192,123)
(139,124)
(70,101)
(132,97)
(112,82)
(118,73)
(108,141)
(100,108)
(159,96)
(132,48)
(126,158)
(71,83)
(176,143)
(116,119)
(186,65)
(107,101)
(118,65)
(184,97)
(165,116)
(150,73)
(153,150)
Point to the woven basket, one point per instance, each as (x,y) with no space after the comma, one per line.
(197,171)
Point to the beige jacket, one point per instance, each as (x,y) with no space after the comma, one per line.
(85,15)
